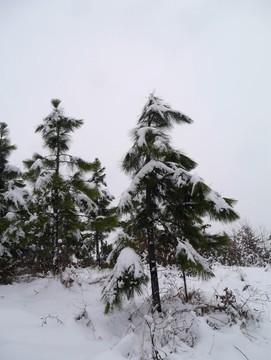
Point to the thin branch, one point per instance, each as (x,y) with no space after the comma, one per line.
(212,344)
(241,352)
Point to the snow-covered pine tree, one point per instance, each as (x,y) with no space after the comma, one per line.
(126,279)
(102,220)
(13,210)
(148,162)
(163,194)
(62,197)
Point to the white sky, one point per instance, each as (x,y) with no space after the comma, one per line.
(209,59)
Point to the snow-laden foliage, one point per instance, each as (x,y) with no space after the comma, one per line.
(13,207)
(132,191)
(162,114)
(63,195)
(120,240)
(102,220)
(186,252)
(127,277)
(14,195)
(165,202)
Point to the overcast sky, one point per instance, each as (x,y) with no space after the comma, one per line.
(207,58)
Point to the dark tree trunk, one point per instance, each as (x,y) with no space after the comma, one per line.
(152,256)
(98,255)
(56,208)
(185,286)
(56,245)
(2,182)
(2,189)
(153,271)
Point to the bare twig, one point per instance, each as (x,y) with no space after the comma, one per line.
(212,344)
(52,317)
(241,352)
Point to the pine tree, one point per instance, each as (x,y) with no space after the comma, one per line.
(13,209)
(62,197)
(103,219)
(247,247)
(164,195)
(145,161)
(126,279)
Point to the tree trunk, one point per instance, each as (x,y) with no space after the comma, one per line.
(152,256)
(56,208)
(185,286)
(98,255)
(2,189)
(2,182)
(153,271)
(56,245)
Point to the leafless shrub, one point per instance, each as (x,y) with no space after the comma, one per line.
(51,317)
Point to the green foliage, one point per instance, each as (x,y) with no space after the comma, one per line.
(165,203)
(70,213)
(126,279)
(103,219)
(13,209)
(63,197)
(125,286)
(5,148)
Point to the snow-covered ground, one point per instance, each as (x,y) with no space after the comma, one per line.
(42,319)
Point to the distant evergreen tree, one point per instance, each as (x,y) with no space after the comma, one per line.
(164,197)
(247,247)
(103,219)
(62,197)
(13,209)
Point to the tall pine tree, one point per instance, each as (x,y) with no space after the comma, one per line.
(62,197)
(164,197)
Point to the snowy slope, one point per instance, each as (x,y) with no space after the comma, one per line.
(43,320)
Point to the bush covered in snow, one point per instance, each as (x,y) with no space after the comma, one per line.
(126,278)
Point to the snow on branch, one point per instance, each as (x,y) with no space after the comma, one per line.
(194,180)
(126,278)
(141,134)
(12,169)
(128,260)
(43,179)
(14,194)
(146,169)
(219,203)
(186,249)
(54,115)
(180,176)
(160,140)
(37,164)
(82,198)
(163,110)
